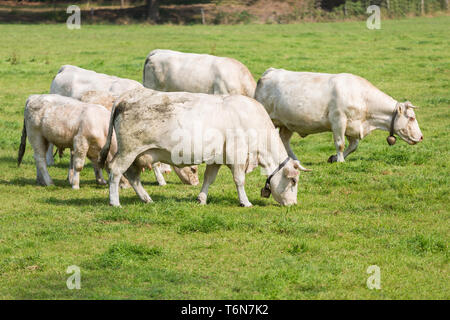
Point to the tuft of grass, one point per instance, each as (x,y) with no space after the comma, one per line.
(421,244)
(206,224)
(125,253)
(297,248)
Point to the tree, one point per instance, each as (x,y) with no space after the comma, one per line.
(153,10)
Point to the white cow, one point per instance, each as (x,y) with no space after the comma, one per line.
(345,104)
(193,131)
(66,123)
(92,87)
(167,70)
(75,82)
(86,85)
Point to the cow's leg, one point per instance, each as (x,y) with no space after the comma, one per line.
(93,156)
(339,141)
(209,177)
(286,135)
(80,151)
(70,173)
(98,172)
(124,184)
(353,144)
(165,168)
(40,146)
(238,172)
(49,155)
(158,175)
(133,174)
(117,167)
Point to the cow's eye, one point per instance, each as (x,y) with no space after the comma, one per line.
(294,182)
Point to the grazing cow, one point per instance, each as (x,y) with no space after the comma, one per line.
(151,123)
(345,104)
(66,123)
(92,87)
(167,70)
(88,86)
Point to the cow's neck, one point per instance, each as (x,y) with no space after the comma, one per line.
(380,109)
(270,161)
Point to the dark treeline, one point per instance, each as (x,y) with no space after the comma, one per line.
(218,11)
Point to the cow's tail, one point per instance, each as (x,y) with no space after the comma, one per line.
(23,143)
(105,150)
(143,71)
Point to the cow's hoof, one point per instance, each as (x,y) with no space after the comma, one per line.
(332,158)
(43,184)
(76,187)
(102,182)
(201,199)
(147,199)
(246,205)
(115,205)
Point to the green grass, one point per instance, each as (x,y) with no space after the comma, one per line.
(386,206)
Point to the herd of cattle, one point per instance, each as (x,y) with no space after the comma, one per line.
(125,126)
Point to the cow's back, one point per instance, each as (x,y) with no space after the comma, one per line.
(299,101)
(75,82)
(167,70)
(58,118)
(154,117)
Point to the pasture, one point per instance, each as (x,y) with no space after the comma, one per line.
(386,206)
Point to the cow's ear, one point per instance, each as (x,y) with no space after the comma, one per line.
(401,108)
(290,172)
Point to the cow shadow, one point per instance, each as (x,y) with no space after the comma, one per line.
(124,200)
(157,198)
(32,181)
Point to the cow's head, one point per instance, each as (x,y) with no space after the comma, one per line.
(405,123)
(284,184)
(188,175)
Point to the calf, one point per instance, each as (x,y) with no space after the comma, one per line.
(66,123)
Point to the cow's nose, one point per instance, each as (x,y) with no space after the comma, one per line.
(421,138)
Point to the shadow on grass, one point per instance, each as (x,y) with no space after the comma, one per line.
(9,160)
(157,199)
(60,183)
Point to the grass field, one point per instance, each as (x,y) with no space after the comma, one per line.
(386,206)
